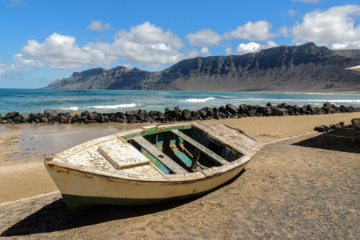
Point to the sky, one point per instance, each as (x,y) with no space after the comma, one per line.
(41,41)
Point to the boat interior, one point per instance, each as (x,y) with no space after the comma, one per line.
(181,151)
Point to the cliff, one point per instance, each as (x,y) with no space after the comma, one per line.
(305,68)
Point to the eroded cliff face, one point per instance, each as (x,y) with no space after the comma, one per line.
(297,68)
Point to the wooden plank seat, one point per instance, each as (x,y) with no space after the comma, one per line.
(123,155)
(216,158)
(160,156)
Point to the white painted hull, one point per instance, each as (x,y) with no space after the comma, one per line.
(85,177)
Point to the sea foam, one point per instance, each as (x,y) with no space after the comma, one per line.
(198,99)
(129,105)
(70,108)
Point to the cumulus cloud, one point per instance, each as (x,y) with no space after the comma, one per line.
(25,64)
(61,52)
(98,26)
(333,28)
(144,44)
(257,31)
(243,48)
(205,37)
(205,51)
(228,51)
(20,64)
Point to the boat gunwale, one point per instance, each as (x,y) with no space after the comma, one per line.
(172,178)
(127,135)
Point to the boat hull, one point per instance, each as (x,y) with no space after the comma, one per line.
(81,190)
(151,165)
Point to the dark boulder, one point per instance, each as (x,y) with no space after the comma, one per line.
(11,115)
(282,105)
(225,113)
(35,118)
(243,108)
(178,113)
(63,118)
(93,116)
(101,118)
(18,119)
(327,105)
(51,113)
(186,115)
(131,119)
(232,109)
(251,112)
(281,111)
(311,109)
(141,116)
(131,112)
(85,114)
(120,117)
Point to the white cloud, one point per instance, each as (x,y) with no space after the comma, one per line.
(243,48)
(205,37)
(61,52)
(144,44)
(24,64)
(98,26)
(333,28)
(20,64)
(257,31)
(205,51)
(7,69)
(228,51)
(249,47)
(284,31)
(292,12)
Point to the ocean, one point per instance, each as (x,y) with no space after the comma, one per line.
(38,100)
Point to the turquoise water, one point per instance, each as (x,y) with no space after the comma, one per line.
(38,100)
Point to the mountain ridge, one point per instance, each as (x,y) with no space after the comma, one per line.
(304,68)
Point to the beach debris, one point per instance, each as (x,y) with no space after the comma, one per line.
(175,115)
(325,128)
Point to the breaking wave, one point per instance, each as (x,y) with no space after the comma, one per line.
(197,100)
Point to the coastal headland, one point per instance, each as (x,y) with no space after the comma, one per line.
(303,68)
(302,184)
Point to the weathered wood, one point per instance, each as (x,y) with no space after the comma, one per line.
(216,158)
(160,156)
(123,155)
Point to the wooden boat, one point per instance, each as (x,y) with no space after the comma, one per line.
(151,165)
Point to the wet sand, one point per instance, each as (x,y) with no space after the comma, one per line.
(307,186)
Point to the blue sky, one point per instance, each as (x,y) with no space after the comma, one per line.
(42,41)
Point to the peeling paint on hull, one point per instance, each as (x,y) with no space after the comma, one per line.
(83,185)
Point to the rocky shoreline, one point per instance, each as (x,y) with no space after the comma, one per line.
(142,116)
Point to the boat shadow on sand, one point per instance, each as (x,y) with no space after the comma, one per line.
(335,140)
(56,216)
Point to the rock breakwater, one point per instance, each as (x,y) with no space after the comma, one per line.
(142,116)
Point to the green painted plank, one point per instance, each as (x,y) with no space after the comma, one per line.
(203,149)
(155,130)
(160,156)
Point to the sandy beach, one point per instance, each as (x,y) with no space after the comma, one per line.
(302,185)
